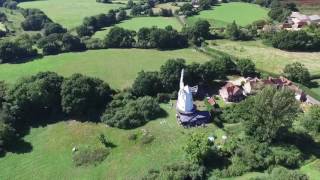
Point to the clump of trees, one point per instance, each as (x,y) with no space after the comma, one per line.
(92,24)
(197,33)
(83,96)
(127,112)
(120,38)
(167,79)
(297,72)
(57,43)
(296,41)
(280,12)
(35,19)
(187,10)
(266,118)
(17,49)
(234,32)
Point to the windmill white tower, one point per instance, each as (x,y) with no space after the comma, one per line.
(185,100)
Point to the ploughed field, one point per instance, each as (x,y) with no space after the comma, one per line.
(118,67)
(226,13)
(139,22)
(70,13)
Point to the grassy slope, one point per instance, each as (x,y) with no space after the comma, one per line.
(118,67)
(51,154)
(139,22)
(70,13)
(242,13)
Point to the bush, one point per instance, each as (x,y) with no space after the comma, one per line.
(119,38)
(246,67)
(93,43)
(281,173)
(197,148)
(87,157)
(126,113)
(288,156)
(35,22)
(297,72)
(84,96)
(177,171)
(147,138)
(311,120)
(14,50)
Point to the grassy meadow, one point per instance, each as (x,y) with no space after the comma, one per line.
(70,13)
(139,22)
(226,13)
(118,67)
(51,155)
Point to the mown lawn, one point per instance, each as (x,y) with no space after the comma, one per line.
(51,156)
(139,22)
(70,13)
(223,14)
(118,67)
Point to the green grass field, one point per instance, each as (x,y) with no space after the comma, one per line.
(70,13)
(51,156)
(139,22)
(242,13)
(118,67)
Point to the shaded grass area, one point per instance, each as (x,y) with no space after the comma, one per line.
(221,15)
(51,157)
(139,22)
(118,67)
(70,13)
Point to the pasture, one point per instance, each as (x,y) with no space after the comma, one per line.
(226,13)
(118,67)
(51,155)
(139,22)
(70,13)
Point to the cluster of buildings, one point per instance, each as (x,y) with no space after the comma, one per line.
(235,91)
(297,20)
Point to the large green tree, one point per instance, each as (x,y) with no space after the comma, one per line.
(197,147)
(84,96)
(271,111)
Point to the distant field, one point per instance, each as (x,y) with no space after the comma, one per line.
(70,13)
(242,13)
(139,22)
(51,155)
(118,67)
(268,58)
(307,6)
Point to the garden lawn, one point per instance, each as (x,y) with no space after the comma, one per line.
(51,155)
(221,15)
(139,22)
(118,67)
(70,13)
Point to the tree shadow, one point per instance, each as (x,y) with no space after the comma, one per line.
(304,142)
(313,84)
(18,146)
